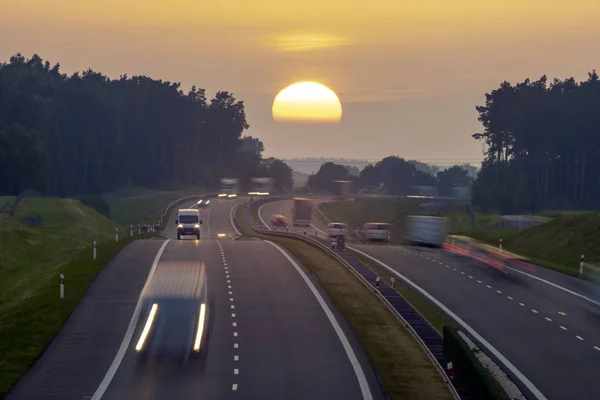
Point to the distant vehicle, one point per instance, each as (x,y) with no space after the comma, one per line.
(203,203)
(175,312)
(340,189)
(336,228)
(426,230)
(302,211)
(279,221)
(230,188)
(188,222)
(377,231)
(261,187)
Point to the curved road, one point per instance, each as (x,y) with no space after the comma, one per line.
(272,332)
(547,325)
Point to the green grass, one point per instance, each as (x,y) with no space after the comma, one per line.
(404,369)
(128,211)
(31,260)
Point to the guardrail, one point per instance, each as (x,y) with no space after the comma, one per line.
(418,327)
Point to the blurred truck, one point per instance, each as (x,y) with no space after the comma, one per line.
(340,189)
(425,230)
(261,186)
(302,211)
(230,187)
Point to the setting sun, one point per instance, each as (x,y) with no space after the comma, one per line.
(307,102)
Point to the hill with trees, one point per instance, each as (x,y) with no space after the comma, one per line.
(88,134)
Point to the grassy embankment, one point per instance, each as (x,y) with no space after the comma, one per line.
(31,260)
(405,371)
(134,205)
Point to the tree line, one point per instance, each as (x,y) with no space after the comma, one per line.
(392,175)
(542,146)
(89,134)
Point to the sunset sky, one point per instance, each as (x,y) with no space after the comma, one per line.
(408,73)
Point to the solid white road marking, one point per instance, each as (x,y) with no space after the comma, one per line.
(579,337)
(130,329)
(360,375)
(208,220)
(261,218)
(535,391)
(232,221)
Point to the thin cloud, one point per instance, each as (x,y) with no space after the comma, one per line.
(378,96)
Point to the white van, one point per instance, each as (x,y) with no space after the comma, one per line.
(377,231)
(188,222)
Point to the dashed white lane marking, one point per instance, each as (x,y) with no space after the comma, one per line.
(519,375)
(548,319)
(597,348)
(112,370)
(358,371)
(510,298)
(453,269)
(228,286)
(236,371)
(470,277)
(534,311)
(498,291)
(235,345)
(233,315)
(230,292)
(232,306)
(447,266)
(235,334)
(228,281)
(563,328)
(488,286)
(236,358)
(479,282)
(522,305)
(231,299)
(234,386)
(462,273)
(579,337)
(234,323)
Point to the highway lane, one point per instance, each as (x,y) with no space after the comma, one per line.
(269,336)
(550,335)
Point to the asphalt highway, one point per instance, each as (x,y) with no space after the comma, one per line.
(272,332)
(540,322)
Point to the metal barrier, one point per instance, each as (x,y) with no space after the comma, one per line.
(418,327)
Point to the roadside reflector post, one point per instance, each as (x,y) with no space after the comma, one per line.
(393,280)
(449,369)
(131,230)
(377,282)
(117,235)
(500,244)
(581,264)
(62,286)
(94,250)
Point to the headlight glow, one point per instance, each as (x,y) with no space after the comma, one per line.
(201,318)
(147,327)
(197,226)
(180,226)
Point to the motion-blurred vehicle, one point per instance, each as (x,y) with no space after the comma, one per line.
(279,221)
(188,223)
(425,230)
(202,203)
(302,211)
(340,190)
(261,187)
(175,312)
(376,231)
(230,188)
(334,229)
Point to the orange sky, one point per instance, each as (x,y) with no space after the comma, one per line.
(408,73)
